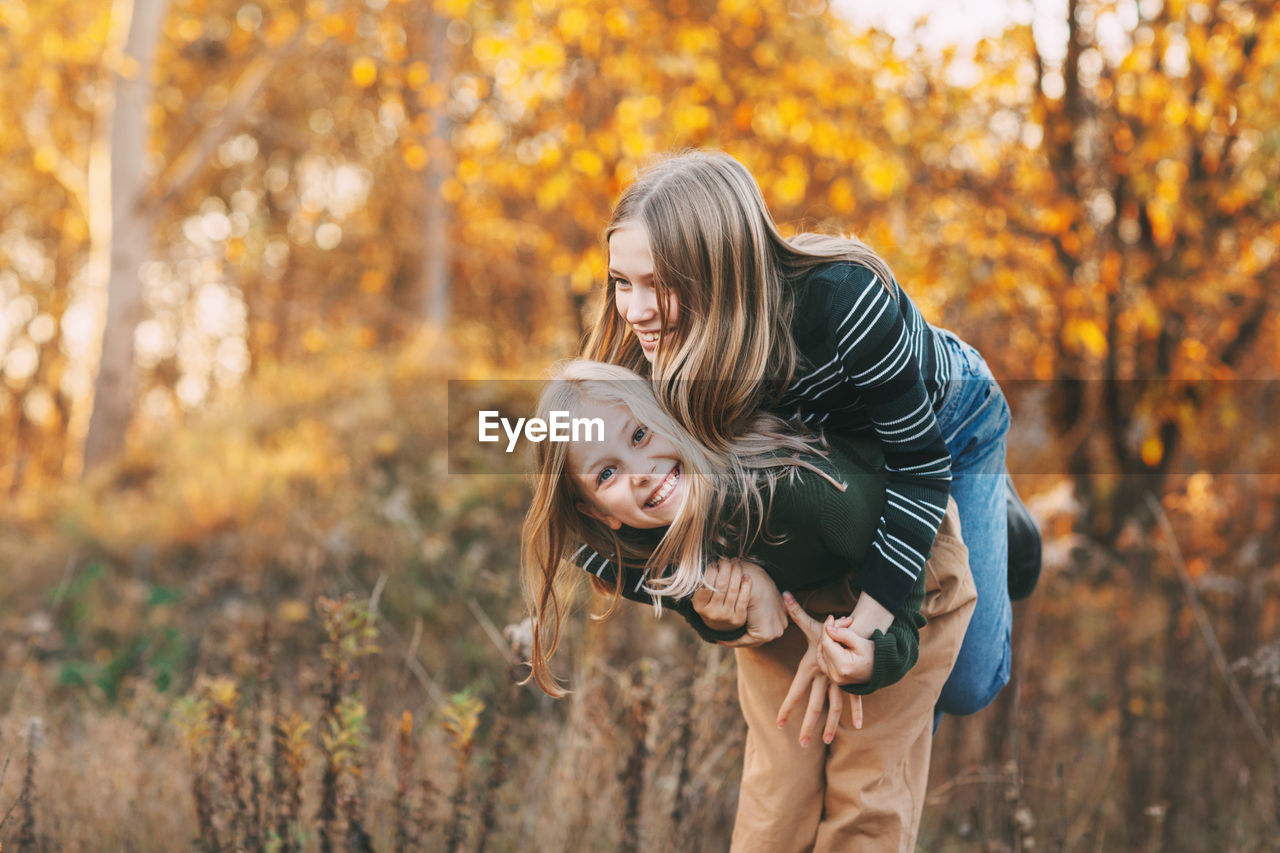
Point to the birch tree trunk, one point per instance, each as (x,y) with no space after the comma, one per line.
(433,285)
(130,232)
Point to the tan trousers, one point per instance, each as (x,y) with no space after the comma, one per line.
(865,791)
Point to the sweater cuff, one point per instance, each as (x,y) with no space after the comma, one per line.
(886,667)
(685,609)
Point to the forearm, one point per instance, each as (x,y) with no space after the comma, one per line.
(870,616)
(897,647)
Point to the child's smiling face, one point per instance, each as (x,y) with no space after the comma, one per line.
(634,477)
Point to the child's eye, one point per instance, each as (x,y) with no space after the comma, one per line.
(605,474)
(639,434)
(619,283)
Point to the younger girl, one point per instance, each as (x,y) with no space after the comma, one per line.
(727,317)
(649,495)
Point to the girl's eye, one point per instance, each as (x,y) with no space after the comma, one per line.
(605,475)
(620,283)
(639,434)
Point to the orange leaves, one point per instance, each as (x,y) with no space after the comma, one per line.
(1152,451)
(1160,215)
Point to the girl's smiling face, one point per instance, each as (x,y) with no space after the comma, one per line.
(635,295)
(633,477)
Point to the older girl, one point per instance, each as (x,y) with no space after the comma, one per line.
(727,317)
(663,506)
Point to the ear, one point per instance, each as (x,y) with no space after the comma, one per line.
(591,512)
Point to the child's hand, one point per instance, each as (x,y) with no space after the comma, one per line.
(725,596)
(811,679)
(766,615)
(845,656)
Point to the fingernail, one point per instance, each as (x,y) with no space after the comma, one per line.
(787,597)
(782,722)
(858,724)
(826,739)
(804,741)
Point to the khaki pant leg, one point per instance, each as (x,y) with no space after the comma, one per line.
(866,790)
(876,777)
(780,800)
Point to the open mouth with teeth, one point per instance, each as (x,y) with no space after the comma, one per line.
(648,339)
(664,490)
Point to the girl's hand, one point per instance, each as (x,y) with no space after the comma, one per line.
(766,614)
(812,680)
(845,656)
(724,598)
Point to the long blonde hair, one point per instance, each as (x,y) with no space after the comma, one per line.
(735,278)
(726,501)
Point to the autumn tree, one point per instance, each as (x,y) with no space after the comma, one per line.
(1123,209)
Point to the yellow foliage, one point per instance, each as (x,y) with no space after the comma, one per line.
(546,54)
(373,281)
(841,196)
(587,162)
(573,22)
(1152,451)
(188,29)
(1087,334)
(552,192)
(334,25)
(489,47)
(364,72)
(455,8)
(45,159)
(313,340)
(468,170)
(415,157)
(419,76)
(461,719)
(618,23)
(882,176)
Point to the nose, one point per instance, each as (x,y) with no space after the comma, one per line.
(643,305)
(645,477)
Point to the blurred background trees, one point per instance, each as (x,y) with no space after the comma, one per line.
(359,170)
(316,212)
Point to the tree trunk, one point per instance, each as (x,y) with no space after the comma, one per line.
(130,233)
(433,279)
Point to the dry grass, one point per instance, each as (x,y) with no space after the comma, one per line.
(1117,733)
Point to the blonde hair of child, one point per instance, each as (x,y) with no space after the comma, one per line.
(726,499)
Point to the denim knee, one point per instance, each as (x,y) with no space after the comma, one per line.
(964,696)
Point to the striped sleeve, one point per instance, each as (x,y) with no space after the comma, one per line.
(875,351)
(605,569)
(633,589)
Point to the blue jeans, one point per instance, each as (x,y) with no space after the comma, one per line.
(974,419)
